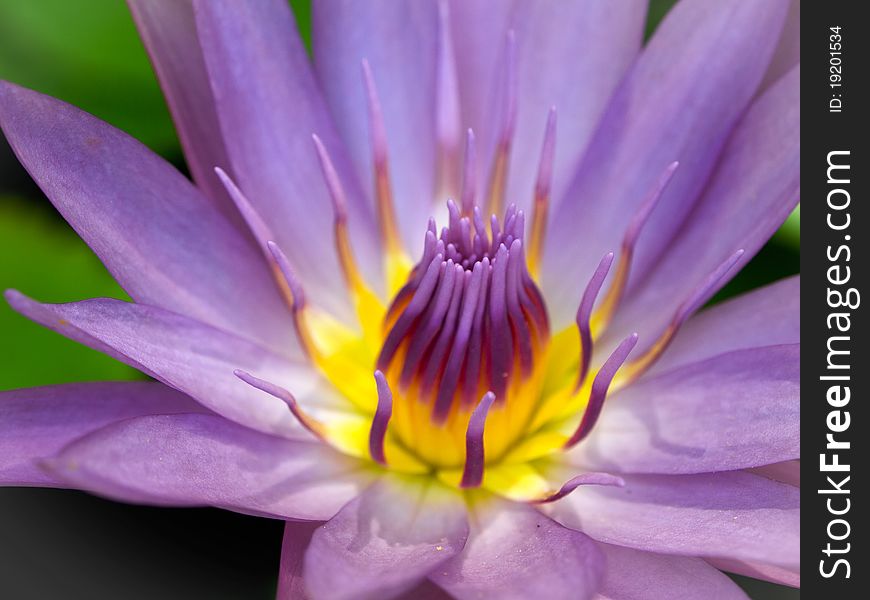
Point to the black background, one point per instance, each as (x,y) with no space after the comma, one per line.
(66,544)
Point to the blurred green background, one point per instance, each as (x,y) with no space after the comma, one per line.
(87,52)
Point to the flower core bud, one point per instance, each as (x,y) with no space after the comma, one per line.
(470,320)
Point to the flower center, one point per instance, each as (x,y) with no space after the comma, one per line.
(470,320)
(469,384)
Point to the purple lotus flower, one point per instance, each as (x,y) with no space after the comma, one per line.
(445,414)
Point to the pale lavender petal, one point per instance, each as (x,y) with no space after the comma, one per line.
(788,471)
(637,575)
(168,30)
(189,356)
(479,28)
(36,423)
(788,51)
(789,577)
(724,515)
(679,102)
(520,552)
(765,316)
(400,42)
(387,540)
(297,536)
(733,411)
(269,105)
(559,63)
(426,591)
(753,190)
(163,241)
(193,460)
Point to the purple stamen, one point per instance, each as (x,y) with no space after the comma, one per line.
(509,92)
(252,218)
(515,228)
(632,233)
(600,385)
(333,183)
(447,116)
(469,174)
(700,295)
(646,207)
(532,300)
(548,155)
(509,215)
(479,230)
(288,283)
(435,361)
(495,229)
(293,283)
(381,419)
(683,312)
(584,312)
(543,183)
(499,168)
(450,376)
(457,325)
(501,346)
(583,479)
(453,218)
(521,329)
(432,322)
(415,307)
(383,191)
(475,354)
(278,392)
(432,247)
(472,474)
(376,118)
(465,241)
(445,234)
